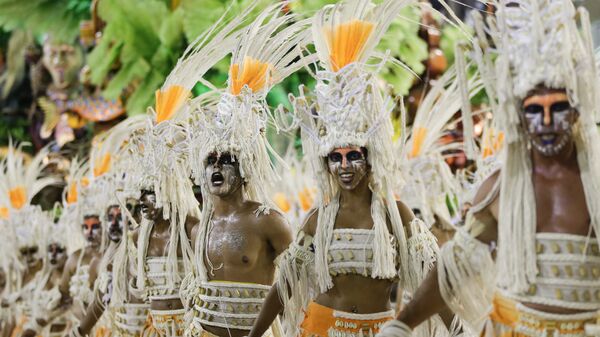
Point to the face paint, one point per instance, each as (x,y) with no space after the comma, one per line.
(148,206)
(548,119)
(29,254)
(57,255)
(92,230)
(115,223)
(223,174)
(348,166)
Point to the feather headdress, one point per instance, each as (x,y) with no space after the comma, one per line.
(19,183)
(429,180)
(234,119)
(24,223)
(160,156)
(351,109)
(537,42)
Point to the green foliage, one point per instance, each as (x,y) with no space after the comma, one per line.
(15,128)
(60,18)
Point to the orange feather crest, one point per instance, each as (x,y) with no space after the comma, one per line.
(169,101)
(418,139)
(18,197)
(347,41)
(72,194)
(306,198)
(102,165)
(4,214)
(254,75)
(282,202)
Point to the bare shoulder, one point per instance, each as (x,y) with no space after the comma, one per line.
(406,213)
(135,234)
(191,225)
(485,192)
(310,223)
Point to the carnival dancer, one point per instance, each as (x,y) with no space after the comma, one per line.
(46,296)
(127,313)
(81,209)
(539,216)
(160,174)
(20,182)
(240,235)
(341,268)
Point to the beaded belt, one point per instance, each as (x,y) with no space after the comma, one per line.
(228,305)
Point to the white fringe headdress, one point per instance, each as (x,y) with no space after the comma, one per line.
(351,109)
(538,42)
(160,149)
(429,180)
(23,222)
(234,119)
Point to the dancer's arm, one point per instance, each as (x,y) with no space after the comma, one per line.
(271,308)
(427,300)
(273,305)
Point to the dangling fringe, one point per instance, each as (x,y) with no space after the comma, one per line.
(467,279)
(517,226)
(423,251)
(325,222)
(384,255)
(296,282)
(467,115)
(142,248)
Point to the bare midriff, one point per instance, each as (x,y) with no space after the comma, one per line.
(357,294)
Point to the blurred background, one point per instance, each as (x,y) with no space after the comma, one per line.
(72,69)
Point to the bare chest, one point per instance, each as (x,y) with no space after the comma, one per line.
(235,250)
(354,218)
(561,206)
(158,245)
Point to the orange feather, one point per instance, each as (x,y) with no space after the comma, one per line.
(169,101)
(4,214)
(282,202)
(102,165)
(418,139)
(254,75)
(18,197)
(72,194)
(346,42)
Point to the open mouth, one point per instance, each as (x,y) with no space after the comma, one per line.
(346,177)
(548,138)
(217,179)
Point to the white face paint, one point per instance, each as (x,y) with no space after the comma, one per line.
(548,119)
(348,166)
(222,174)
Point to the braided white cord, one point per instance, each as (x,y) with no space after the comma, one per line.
(395,328)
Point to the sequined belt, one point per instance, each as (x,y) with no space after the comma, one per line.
(509,315)
(230,305)
(129,319)
(321,321)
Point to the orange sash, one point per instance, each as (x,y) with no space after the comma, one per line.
(320,320)
(508,320)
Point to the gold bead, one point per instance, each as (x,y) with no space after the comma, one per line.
(559,294)
(570,247)
(532,289)
(569,271)
(540,248)
(555,270)
(583,271)
(587,296)
(575,295)
(556,248)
